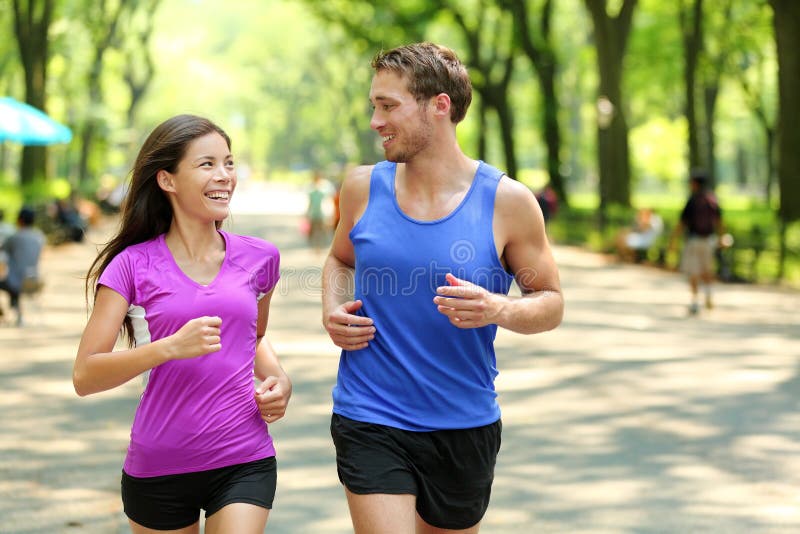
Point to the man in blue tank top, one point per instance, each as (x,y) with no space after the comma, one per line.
(414,288)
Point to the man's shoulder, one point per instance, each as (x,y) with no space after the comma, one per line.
(515,206)
(514,194)
(357,180)
(359,174)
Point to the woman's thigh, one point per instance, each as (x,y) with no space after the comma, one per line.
(238,517)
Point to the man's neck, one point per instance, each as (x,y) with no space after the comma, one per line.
(441,166)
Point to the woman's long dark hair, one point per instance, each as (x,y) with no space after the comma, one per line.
(146,211)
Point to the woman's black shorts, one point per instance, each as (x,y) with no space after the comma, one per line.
(450,471)
(174,501)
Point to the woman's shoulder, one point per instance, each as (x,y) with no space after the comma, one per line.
(143,248)
(139,260)
(250,244)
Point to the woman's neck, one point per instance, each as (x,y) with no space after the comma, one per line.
(193,242)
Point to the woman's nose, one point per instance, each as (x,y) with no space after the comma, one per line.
(225,174)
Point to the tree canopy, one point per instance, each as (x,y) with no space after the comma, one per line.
(601,97)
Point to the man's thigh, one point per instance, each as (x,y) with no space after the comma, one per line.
(380,513)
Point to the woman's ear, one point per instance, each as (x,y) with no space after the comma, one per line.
(165,181)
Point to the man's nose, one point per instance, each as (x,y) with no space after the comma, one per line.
(376,121)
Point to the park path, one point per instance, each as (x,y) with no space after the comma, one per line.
(629,418)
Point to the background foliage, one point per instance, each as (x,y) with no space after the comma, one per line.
(289,80)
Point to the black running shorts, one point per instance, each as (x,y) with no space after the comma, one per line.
(449,471)
(171,502)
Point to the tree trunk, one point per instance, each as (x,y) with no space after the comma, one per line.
(139,68)
(493,88)
(482,127)
(692,31)
(711,82)
(756,104)
(31,25)
(741,166)
(506,120)
(102,40)
(787,21)
(543,60)
(710,102)
(769,135)
(552,133)
(611,35)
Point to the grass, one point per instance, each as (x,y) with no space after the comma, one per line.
(754,226)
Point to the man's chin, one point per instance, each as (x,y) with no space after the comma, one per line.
(395,158)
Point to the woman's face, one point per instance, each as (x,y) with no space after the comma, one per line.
(204,181)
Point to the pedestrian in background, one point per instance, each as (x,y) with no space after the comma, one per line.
(701,225)
(21,252)
(315,213)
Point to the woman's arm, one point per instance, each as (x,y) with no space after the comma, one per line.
(275,390)
(99,368)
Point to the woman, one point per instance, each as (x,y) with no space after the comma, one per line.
(194,302)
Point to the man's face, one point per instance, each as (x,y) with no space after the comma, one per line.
(403,124)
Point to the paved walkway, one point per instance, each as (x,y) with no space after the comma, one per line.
(629,418)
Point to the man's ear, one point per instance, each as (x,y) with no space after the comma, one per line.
(165,181)
(442,103)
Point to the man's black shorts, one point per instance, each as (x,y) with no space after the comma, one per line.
(171,502)
(450,471)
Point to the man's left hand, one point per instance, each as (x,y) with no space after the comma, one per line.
(466,305)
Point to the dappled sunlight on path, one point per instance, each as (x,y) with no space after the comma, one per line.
(629,418)
(637,418)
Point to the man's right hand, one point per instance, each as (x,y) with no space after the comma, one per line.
(349,331)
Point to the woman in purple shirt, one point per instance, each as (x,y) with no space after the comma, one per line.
(194,302)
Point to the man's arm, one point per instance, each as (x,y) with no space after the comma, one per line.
(519,231)
(346,330)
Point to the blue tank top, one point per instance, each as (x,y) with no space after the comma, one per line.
(421,373)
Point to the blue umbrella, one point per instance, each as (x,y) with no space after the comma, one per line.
(27,125)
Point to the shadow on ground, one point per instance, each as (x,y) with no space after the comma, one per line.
(629,418)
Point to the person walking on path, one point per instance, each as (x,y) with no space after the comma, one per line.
(431,240)
(315,214)
(20,253)
(701,223)
(194,302)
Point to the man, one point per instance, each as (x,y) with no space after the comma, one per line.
(22,251)
(701,221)
(431,240)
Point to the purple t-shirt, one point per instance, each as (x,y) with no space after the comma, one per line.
(198,413)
